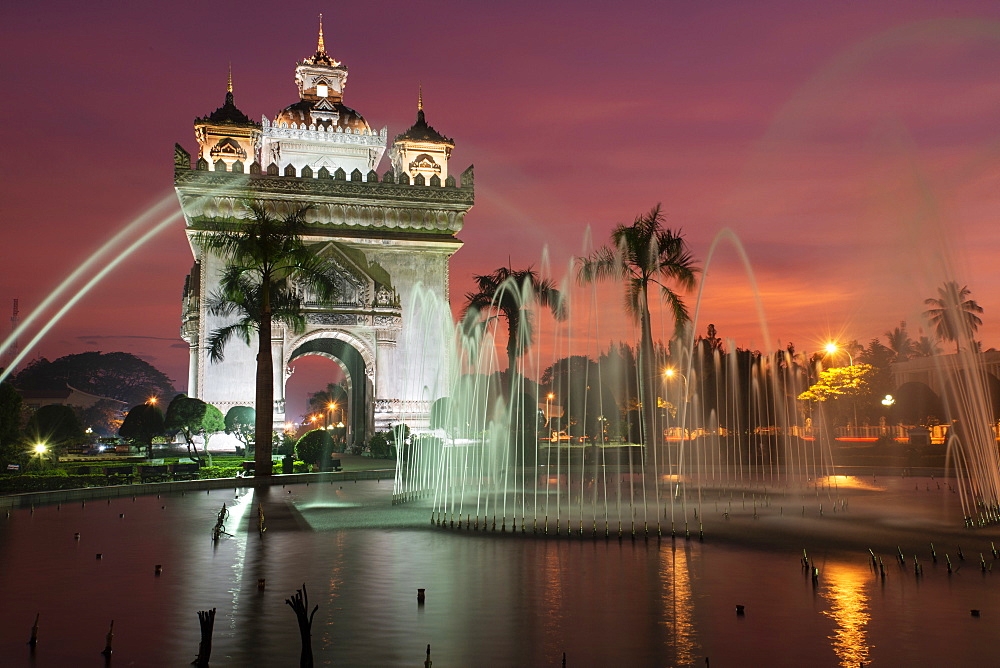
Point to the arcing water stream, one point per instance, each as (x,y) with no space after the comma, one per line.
(734,435)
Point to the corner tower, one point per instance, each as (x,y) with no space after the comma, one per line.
(421,150)
(227,138)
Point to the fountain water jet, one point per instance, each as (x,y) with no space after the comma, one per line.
(735,444)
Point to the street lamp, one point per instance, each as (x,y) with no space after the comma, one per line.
(332,406)
(548,398)
(41,451)
(670,373)
(832,348)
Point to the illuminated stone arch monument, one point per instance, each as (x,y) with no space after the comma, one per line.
(386,241)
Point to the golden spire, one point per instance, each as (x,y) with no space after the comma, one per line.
(229,86)
(420,97)
(320,47)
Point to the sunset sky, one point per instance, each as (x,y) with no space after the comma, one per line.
(853,148)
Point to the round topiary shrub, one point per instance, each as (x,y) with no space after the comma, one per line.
(315,447)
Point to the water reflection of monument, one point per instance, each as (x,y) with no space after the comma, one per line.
(381,234)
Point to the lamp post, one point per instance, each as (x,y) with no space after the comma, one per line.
(831,349)
(41,451)
(332,406)
(548,399)
(670,373)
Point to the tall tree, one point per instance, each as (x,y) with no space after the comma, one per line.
(240,421)
(104,417)
(56,426)
(268,273)
(899,342)
(116,375)
(645,256)
(953,315)
(925,347)
(192,417)
(142,424)
(333,393)
(508,294)
(11,406)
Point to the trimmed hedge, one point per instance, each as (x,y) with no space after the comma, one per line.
(219,471)
(18,484)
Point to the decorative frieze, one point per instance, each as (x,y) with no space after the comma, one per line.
(333,134)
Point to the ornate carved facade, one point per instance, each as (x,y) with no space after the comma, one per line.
(385,241)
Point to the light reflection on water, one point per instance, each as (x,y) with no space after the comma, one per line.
(677,605)
(491,600)
(845,586)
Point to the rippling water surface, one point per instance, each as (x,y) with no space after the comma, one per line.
(491,600)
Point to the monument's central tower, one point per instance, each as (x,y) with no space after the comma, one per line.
(386,242)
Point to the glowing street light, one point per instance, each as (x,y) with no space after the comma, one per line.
(888,401)
(670,373)
(548,398)
(152,401)
(832,349)
(40,449)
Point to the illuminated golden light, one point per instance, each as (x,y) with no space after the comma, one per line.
(832,348)
(677,605)
(847,482)
(849,609)
(152,401)
(551,396)
(40,449)
(332,405)
(669,373)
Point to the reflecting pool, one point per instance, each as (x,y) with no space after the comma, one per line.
(491,600)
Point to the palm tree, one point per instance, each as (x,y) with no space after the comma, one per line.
(645,256)
(925,347)
(953,315)
(333,394)
(507,294)
(268,269)
(899,342)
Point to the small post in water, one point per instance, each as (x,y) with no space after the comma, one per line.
(206,620)
(107,640)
